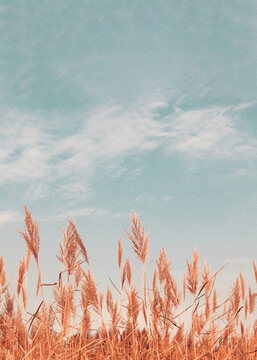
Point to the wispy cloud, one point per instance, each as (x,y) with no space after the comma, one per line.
(9,216)
(36,191)
(109,133)
(209,132)
(73,190)
(88,212)
(25,148)
(144,198)
(33,154)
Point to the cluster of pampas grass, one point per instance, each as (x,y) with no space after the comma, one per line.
(133,323)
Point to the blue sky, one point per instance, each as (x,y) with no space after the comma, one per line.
(112,106)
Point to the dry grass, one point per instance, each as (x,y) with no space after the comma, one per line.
(138,324)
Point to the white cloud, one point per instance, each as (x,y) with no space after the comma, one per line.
(36,191)
(25,149)
(73,190)
(117,172)
(33,154)
(89,212)
(109,133)
(144,198)
(9,216)
(210,132)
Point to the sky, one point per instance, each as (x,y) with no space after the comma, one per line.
(109,107)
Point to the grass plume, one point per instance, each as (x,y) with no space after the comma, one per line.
(149,323)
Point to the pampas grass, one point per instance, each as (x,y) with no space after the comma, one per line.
(125,322)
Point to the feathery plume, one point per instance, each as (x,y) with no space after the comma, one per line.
(138,238)
(255,270)
(31,234)
(79,240)
(242,282)
(120,250)
(192,274)
(21,275)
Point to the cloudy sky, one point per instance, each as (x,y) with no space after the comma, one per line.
(112,106)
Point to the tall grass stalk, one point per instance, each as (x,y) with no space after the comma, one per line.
(151,322)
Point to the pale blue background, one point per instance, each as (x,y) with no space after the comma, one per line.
(112,106)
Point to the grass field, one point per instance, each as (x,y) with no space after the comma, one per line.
(153,321)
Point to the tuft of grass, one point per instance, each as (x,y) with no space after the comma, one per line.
(154,322)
